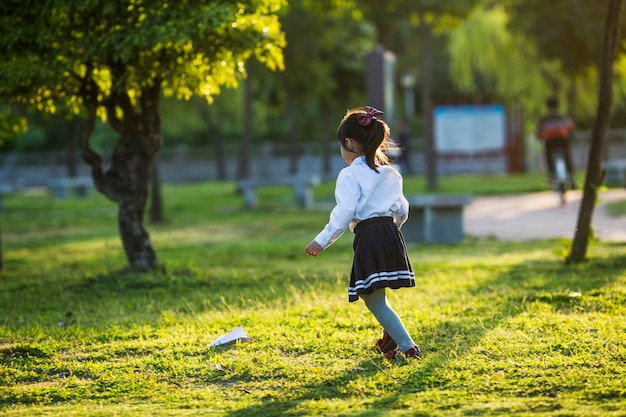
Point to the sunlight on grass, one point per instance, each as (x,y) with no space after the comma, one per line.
(507,329)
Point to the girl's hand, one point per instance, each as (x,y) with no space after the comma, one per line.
(313,248)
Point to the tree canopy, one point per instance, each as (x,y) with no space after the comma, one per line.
(493,63)
(187,47)
(507,52)
(567,30)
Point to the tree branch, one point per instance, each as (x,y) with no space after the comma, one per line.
(89,93)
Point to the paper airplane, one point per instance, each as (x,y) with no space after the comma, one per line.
(237,335)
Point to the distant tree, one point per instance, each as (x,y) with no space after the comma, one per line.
(580,36)
(594,176)
(429,18)
(567,34)
(114,60)
(567,30)
(318,85)
(490,62)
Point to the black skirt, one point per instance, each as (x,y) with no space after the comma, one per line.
(380,258)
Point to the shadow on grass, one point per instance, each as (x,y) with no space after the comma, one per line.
(109,298)
(557,285)
(511,290)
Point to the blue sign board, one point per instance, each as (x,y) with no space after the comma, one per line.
(469,128)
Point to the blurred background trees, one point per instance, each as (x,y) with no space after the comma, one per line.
(462,51)
(207,72)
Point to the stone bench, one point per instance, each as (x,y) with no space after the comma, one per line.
(302,187)
(435,218)
(65,187)
(615,172)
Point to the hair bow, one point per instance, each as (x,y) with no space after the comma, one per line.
(370,114)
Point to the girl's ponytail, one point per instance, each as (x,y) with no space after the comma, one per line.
(376,145)
(371,132)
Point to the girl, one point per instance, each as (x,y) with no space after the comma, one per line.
(370,202)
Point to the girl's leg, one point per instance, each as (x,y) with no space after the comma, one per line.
(376,302)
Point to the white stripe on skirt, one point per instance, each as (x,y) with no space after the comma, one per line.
(362,284)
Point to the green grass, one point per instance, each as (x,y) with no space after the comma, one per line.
(506,328)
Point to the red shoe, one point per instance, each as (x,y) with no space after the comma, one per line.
(414,353)
(385,344)
(392,355)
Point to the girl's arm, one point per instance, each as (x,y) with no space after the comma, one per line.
(347,193)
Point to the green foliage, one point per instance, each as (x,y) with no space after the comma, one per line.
(334,52)
(490,61)
(11,125)
(183,120)
(568,33)
(192,47)
(506,328)
(555,25)
(400,28)
(508,52)
(497,51)
(441,16)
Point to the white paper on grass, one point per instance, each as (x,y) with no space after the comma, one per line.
(239,334)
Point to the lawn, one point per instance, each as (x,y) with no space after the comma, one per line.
(506,328)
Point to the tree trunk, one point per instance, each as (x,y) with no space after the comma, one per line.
(292,122)
(294,136)
(246,136)
(594,176)
(220,153)
(218,142)
(72,135)
(135,238)
(127,181)
(156,202)
(1,258)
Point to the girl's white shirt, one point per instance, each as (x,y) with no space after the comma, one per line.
(362,193)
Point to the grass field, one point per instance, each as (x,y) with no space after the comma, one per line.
(506,328)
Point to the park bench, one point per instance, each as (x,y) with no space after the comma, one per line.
(435,218)
(302,187)
(65,187)
(615,172)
